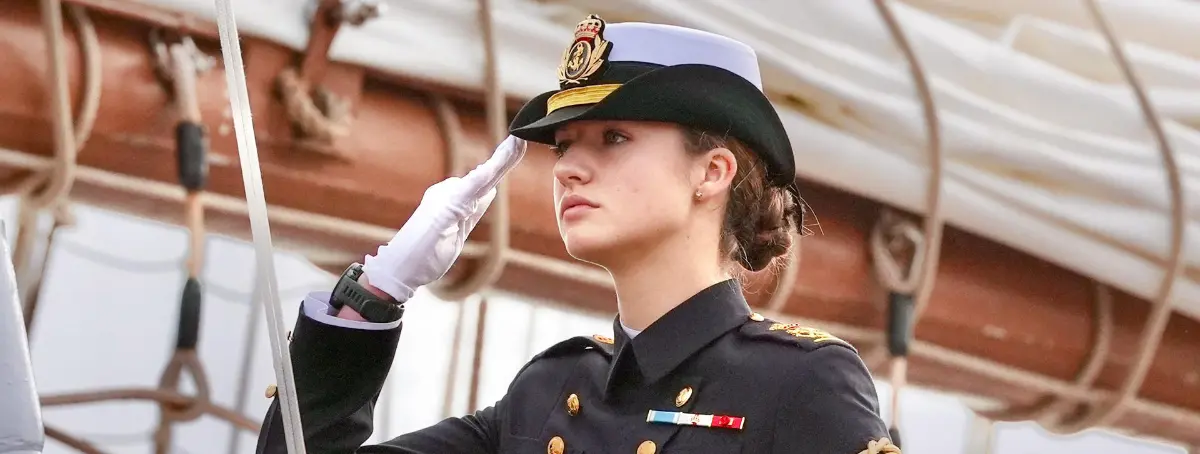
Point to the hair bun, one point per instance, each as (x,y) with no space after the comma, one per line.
(770,233)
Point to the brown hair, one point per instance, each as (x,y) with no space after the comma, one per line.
(759,218)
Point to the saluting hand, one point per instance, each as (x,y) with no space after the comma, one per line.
(423,250)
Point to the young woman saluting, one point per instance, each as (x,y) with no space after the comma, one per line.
(675,174)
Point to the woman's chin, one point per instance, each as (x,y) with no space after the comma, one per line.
(588,247)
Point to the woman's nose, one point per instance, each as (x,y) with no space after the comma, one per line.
(571,170)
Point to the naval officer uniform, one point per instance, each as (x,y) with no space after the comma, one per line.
(710,376)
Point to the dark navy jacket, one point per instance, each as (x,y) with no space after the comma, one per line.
(798,390)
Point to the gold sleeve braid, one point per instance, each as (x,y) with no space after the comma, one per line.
(881,446)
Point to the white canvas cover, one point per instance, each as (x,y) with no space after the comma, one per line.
(1046,149)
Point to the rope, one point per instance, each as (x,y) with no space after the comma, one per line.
(191,146)
(71,442)
(1050,410)
(591,276)
(37,183)
(260,229)
(318,115)
(322,119)
(301,219)
(137,266)
(1160,314)
(243,391)
(35,280)
(172,399)
(980,436)
(452,369)
(62,175)
(497,253)
(477,355)
(910,295)
(498,245)
(358,12)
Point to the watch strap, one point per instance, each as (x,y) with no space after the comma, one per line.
(372,308)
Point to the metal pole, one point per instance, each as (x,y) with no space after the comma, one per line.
(21,430)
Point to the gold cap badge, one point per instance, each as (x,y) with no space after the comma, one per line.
(587,53)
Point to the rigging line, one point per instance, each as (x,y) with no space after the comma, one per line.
(191,144)
(62,175)
(115,439)
(239,102)
(71,441)
(910,295)
(1161,308)
(499,248)
(241,395)
(139,266)
(114,261)
(89,49)
(239,297)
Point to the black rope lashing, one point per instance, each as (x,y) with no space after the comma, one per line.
(191,141)
(192,145)
(900,309)
(189,316)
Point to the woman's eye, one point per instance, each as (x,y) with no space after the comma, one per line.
(560,148)
(614,137)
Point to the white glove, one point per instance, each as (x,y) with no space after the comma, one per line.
(423,250)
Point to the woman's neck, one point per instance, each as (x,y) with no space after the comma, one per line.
(659,280)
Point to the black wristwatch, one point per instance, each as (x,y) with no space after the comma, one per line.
(348,292)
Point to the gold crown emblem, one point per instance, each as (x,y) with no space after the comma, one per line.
(586,54)
(589,28)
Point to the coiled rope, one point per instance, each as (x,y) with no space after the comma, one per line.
(260,230)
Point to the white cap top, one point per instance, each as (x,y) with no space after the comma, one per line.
(669,45)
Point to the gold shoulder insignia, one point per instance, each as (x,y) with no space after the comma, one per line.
(577,345)
(881,446)
(791,333)
(603,339)
(804,332)
(587,53)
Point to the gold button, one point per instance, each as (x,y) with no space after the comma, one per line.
(603,339)
(684,395)
(647,447)
(271,390)
(573,404)
(757,317)
(556,446)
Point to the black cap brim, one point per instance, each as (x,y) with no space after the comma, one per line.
(700,96)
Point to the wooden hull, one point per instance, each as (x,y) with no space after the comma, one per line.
(990,301)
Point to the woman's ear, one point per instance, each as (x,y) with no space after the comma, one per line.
(720,166)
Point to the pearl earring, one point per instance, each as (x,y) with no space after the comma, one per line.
(698,194)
